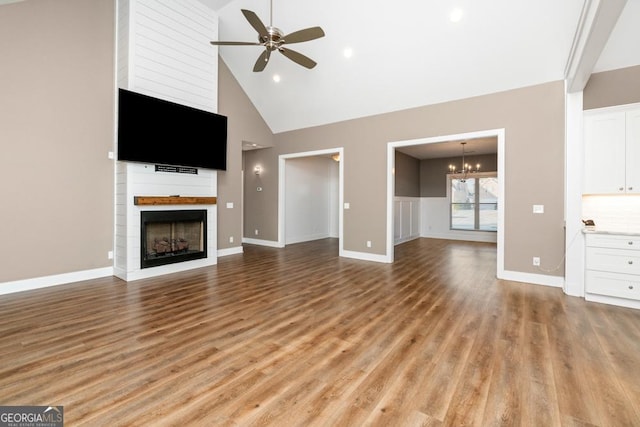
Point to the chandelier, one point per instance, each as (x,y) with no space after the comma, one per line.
(466,168)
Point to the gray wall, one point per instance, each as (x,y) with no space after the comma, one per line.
(261,205)
(56,128)
(244,124)
(433,172)
(533,119)
(407,175)
(609,88)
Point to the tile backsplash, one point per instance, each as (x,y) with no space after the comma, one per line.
(613,213)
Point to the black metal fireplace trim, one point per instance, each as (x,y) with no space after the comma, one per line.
(171,216)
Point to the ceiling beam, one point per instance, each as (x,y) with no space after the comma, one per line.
(597,20)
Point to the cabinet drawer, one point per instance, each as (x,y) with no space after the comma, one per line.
(614,260)
(612,284)
(614,241)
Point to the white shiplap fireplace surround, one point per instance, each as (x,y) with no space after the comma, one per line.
(138,179)
(164,51)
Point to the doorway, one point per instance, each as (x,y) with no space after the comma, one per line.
(499,135)
(306,180)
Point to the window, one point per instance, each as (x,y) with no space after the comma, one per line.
(474,202)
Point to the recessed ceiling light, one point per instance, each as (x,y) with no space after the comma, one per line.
(348,52)
(456,15)
(276,78)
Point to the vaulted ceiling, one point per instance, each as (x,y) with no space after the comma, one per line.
(409,53)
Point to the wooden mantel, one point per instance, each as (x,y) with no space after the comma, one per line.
(173,200)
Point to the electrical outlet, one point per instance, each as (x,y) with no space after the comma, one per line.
(256,232)
(536,261)
(110,255)
(231,239)
(368,243)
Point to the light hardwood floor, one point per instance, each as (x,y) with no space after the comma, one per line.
(300,337)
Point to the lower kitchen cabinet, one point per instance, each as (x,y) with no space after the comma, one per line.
(613,269)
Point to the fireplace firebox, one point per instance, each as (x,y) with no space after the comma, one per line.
(168,237)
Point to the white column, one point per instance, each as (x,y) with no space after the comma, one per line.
(574,176)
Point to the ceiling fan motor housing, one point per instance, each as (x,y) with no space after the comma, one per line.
(274,39)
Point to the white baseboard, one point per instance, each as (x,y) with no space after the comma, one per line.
(470,236)
(57,279)
(269,243)
(308,238)
(230,251)
(536,279)
(405,240)
(622,302)
(365,256)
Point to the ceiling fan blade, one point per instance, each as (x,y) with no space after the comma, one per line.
(256,23)
(304,35)
(298,57)
(262,61)
(235,44)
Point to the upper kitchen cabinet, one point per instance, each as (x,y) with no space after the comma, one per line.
(612,150)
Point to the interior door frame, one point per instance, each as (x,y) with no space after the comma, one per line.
(499,134)
(282,159)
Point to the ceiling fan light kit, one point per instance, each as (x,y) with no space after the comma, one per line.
(273,39)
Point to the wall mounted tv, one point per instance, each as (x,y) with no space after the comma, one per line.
(153,130)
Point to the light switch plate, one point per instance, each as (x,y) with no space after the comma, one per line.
(538,208)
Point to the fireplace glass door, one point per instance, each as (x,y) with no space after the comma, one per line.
(169,237)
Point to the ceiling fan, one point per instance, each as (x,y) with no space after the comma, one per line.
(273,38)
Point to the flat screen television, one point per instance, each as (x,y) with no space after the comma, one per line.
(152,130)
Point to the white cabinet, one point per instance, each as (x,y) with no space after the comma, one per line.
(633,150)
(612,151)
(613,269)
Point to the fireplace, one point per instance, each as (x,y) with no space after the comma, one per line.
(168,237)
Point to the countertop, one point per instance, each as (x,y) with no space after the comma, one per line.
(619,233)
